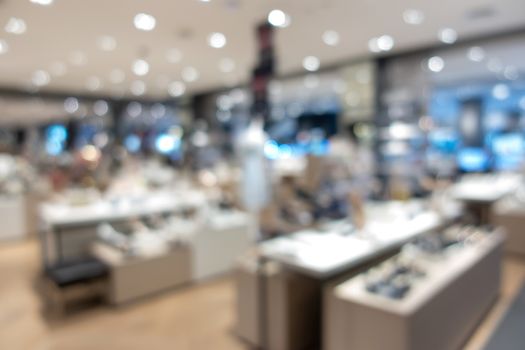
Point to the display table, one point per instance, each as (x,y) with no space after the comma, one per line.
(509,213)
(67,231)
(131,278)
(480,192)
(13,213)
(291,298)
(439,312)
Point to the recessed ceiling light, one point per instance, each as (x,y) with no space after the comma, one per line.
(331,38)
(476,54)
(190,74)
(176,89)
(278,18)
(227,65)
(140,67)
(435,64)
(40,78)
(144,21)
(100,108)
(494,65)
(15,26)
(205,0)
(311,63)
(93,83)
(385,43)
(71,105)
(217,40)
(78,58)
(117,76)
(174,55)
(501,92)
(138,88)
(511,73)
(59,69)
(42,2)
(107,43)
(448,35)
(4,47)
(413,16)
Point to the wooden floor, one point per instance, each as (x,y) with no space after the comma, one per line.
(199,317)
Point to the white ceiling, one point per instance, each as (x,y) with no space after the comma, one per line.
(55,32)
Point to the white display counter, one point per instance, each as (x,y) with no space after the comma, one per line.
(439,312)
(13,213)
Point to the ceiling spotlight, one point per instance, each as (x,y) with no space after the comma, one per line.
(15,26)
(311,63)
(413,17)
(107,43)
(500,92)
(78,58)
(448,35)
(435,64)
(59,69)
(331,38)
(71,105)
(176,89)
(227,65)
(278,18)
(140,67)
(217,40)
(93,83)
(476,54)
(4,47)
(40,78)
(145,22)
(174,55)
(100,108)
(42,2)
(190,74)
(138,88)
(511,73)
(385,43)
(117,76)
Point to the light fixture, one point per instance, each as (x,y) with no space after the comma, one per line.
(217,40)
(117,76)
(501,92)
(227,65)
(93,83)
(176,89)
(311,63)
(100,108)
(448,35)
(476,54)
(372,45)
(158,110)
(494,65)
(174,55)
(42,2)
(145,22)
(138,88)
(77,58)
(511,73)
(278,18)
(107,43)
(134,109)
(58,69)
(140,67)
(331,38)
(190,74)
(413,16)
(4,47)
(435,64)
(385,43)
(40,78)
(15,26)
(71,105)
